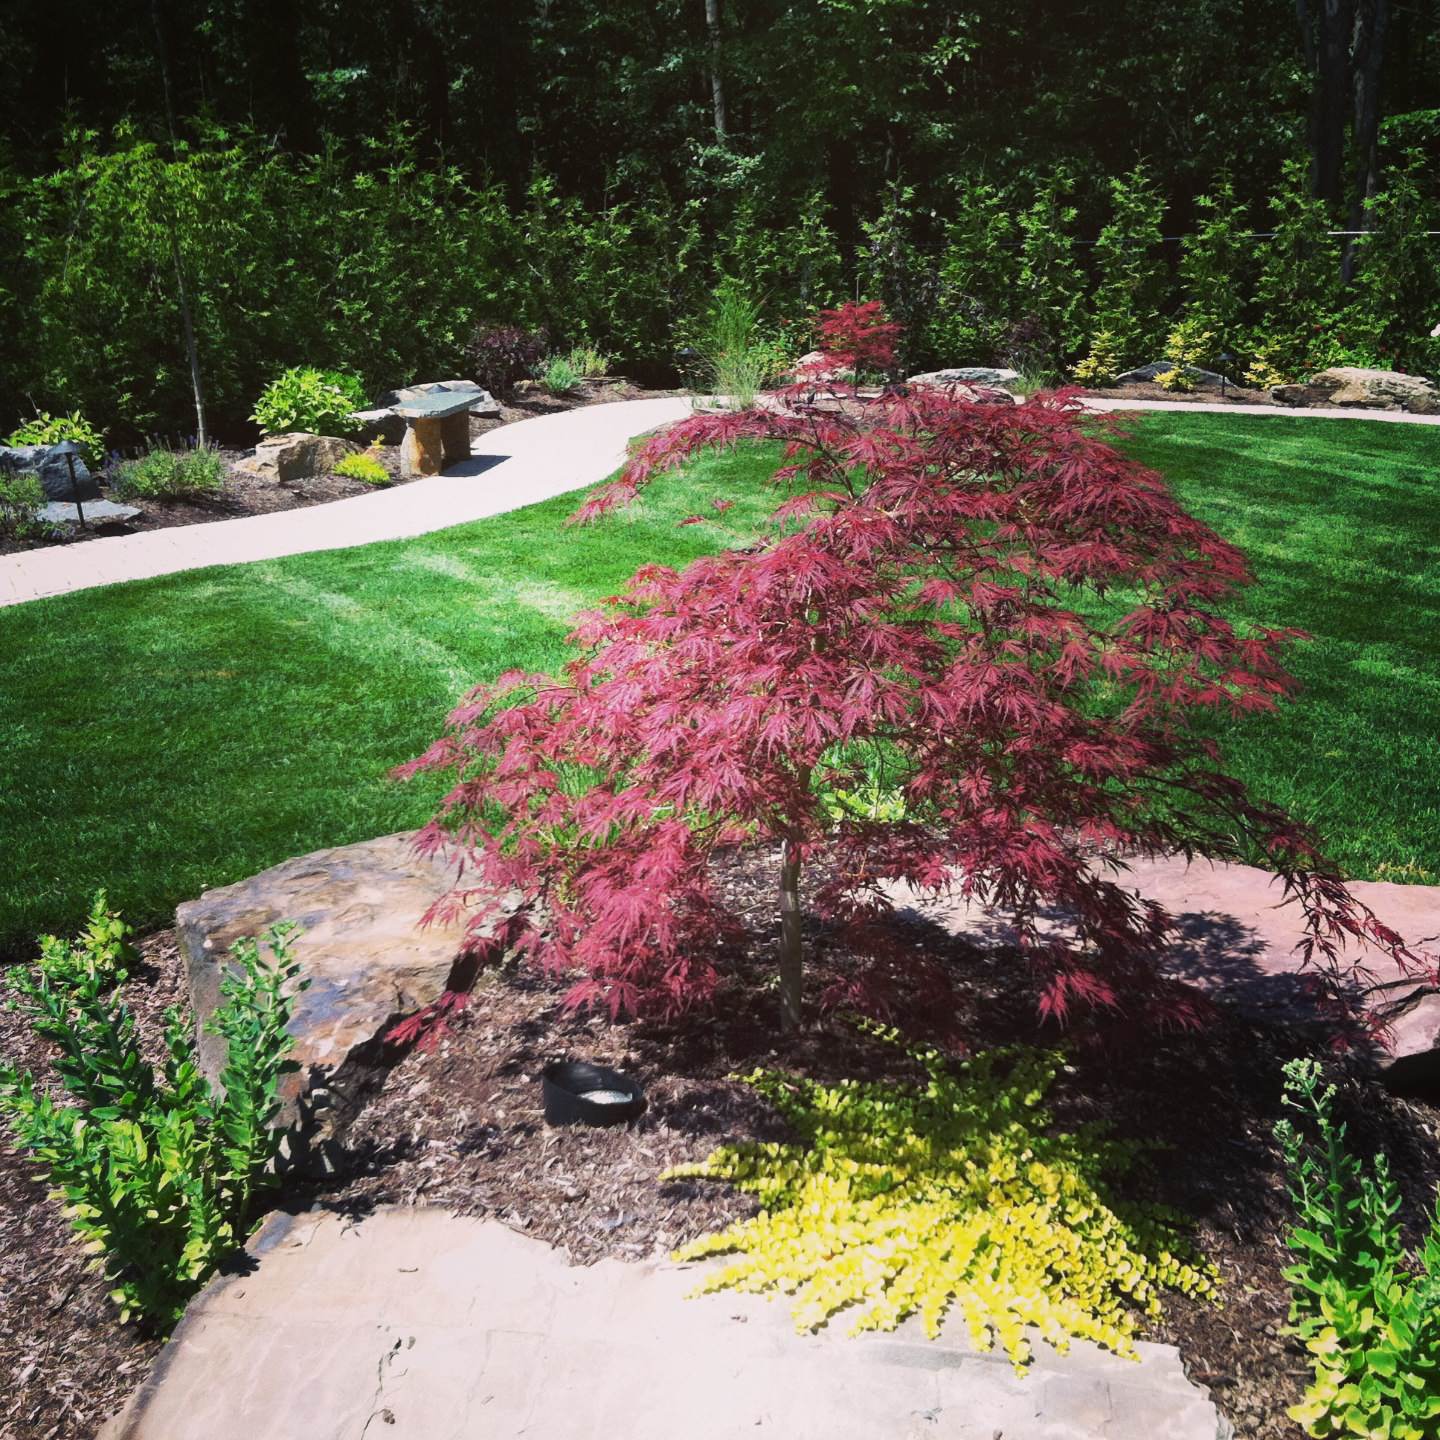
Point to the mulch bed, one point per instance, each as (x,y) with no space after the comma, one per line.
(248,494)
(461,1127)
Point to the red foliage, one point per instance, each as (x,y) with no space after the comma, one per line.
(857,337)
(1018,621)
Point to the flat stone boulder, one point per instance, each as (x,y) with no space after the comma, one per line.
(1142,374)
(1236,942)
(413,1324)
(966,375)
(97,512)
(298,455)
(52,470)
(361,947)
(1349,385)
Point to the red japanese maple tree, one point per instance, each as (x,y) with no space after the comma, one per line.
(987,612)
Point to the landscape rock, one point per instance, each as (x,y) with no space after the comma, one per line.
(1236,942)
(97,512)
(966,375)
(1349,385)
(414,1324)
(815,367)
(361,947)
(300,455)
(52,470)
(1204,379)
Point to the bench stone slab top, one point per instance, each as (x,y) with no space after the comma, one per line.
(437,406)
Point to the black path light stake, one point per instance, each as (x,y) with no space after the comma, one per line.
(69,449)
(1226,361)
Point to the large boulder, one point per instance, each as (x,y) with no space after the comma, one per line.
(1235,941)
(977,392)
(967,375)
(1200,378)
(363,950)
(299,455)
(1349,385)
(52,469)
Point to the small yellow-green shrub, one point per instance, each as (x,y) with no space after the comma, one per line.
(955,1193)
(366,466)
(1102,364)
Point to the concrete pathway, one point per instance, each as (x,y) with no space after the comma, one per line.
(510,467)
(418,1325)
(1213,407)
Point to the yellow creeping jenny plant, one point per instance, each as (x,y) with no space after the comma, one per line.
(903,1199)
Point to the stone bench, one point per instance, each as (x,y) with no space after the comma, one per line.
(435,432)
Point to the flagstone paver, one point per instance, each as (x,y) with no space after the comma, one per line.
(413,1324)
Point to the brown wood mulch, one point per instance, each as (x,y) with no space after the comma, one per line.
(249,494)
(461,1127)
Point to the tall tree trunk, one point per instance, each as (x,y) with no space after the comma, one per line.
(1337,21)
(1372,18)
(791,952)
(187,323)
(192,353)
(717,82)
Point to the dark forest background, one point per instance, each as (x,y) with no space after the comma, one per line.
(361,185)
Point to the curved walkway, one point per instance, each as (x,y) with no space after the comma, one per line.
(510,467)
(1214,407)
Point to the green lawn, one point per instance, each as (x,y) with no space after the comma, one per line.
(1341,521)
(183,732)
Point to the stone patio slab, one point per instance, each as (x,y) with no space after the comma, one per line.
(413,1324)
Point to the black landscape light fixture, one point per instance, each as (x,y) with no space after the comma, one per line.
(590,1094)
(1226,361)
(69,449)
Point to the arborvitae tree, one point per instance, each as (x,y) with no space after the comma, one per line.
(1216,265)
(1050,291)
(1132,281)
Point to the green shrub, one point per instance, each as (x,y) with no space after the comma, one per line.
(1368,1315)
(47,429)
(319,402)
(158,1172)
(21,496)
(366,466)
(955,1192)
(559,376)
(165,474)
(587,362)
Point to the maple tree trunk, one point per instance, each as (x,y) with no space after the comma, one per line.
(791,955)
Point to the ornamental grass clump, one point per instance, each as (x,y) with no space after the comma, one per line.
(952,1196)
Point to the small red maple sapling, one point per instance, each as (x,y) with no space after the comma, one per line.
(1018,623)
